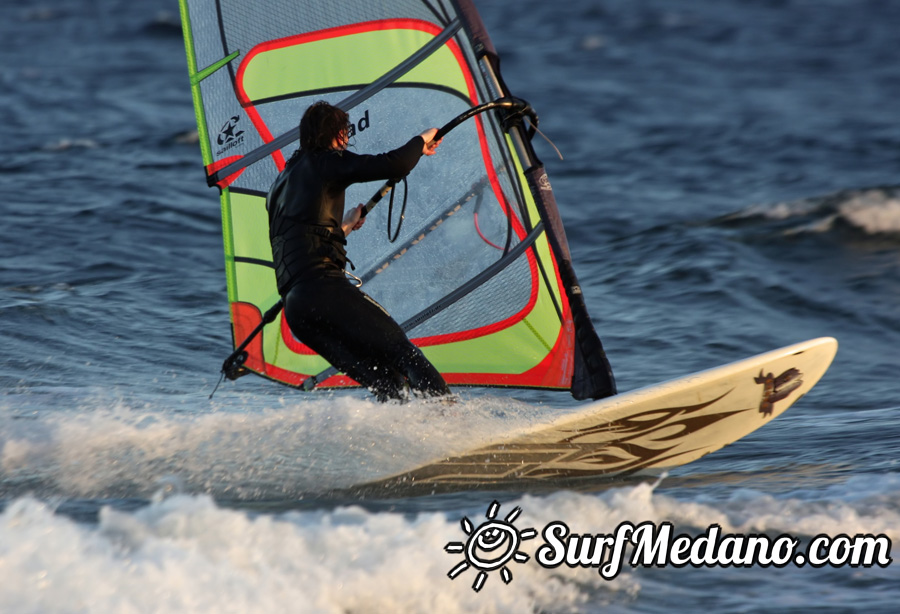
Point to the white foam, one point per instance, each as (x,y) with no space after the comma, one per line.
(874,211)
(782,211)
(185,554)
(330,442)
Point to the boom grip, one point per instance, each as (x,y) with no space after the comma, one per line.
(377,196)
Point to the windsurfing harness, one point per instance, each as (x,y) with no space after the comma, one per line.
(480,277)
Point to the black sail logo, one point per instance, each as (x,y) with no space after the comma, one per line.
(230,135)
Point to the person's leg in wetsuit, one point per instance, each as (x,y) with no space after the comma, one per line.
(357,336)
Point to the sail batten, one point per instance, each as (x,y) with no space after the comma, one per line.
(480,274)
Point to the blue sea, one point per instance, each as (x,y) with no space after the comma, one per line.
(730,185)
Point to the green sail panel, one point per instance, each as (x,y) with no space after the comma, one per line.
(480,274)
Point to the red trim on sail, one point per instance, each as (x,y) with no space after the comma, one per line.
(244,318)
(292,342)
(554,371)
(489,329)
(218,164)
(296,379)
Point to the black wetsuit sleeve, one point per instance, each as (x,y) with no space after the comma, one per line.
(395,164)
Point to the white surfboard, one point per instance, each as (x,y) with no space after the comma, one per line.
(644,431)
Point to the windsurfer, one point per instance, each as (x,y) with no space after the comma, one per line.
(308,229)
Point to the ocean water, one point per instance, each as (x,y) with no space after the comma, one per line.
(730,185)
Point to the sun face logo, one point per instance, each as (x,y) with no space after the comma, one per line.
(491,546)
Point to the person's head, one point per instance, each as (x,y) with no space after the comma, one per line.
(323,126)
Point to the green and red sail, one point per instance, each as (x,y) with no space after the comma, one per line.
(480,274)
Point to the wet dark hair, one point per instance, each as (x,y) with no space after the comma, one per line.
(320,125)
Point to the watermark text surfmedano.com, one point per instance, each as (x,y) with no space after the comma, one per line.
(493,546)
(653,545)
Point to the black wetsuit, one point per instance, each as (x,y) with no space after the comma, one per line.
(323,309)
